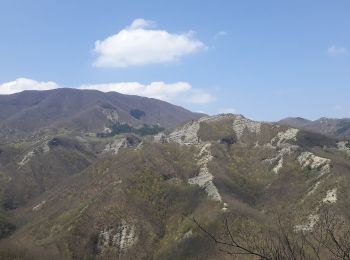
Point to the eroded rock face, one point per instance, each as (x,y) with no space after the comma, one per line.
(204,179)
(186,135)
(285,137)
(283,144)
(121,237)
(40,149)
(313,162)
(331,196)
(240,124)
(115,146)
(313,218)
(39,206)
(121,142)
(344,146)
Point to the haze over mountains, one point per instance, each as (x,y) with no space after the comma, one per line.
(92,175)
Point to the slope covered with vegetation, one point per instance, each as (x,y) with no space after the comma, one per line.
(158,197)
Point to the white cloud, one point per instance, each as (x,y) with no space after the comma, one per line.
(227,110)
(22,84)
(220,34)
(138,44)
(334,51)
(199,97)
(179,92)
(160,90)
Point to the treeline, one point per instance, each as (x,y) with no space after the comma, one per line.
(121,128)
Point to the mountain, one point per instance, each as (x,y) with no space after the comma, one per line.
(337,128)
(128,196)
(63,109)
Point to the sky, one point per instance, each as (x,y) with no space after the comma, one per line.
(266,59)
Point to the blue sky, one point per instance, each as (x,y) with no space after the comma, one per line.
(263,59)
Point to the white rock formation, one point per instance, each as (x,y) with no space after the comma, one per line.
(278,166)
(186,134)
(41,149)
(240,124)
(122,237)
(39,206)
(205,179)
(27,158)
(312,220)
(282,143)
(313,162)
(344,146)
(285,137)
(187,235)
(107,130)
(331,196)
(115,146)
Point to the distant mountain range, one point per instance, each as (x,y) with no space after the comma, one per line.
(337,128)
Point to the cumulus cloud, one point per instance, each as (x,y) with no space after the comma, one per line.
(22,84)
(334,51)
(139,44)
(179,92)
(159,90)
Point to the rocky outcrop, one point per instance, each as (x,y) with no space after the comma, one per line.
(283,144)
(114,146)
(240,124)
(344,146)
(186,134)
(39,206)
(331,196)
(313,218)
(204,179)
(121,237)
(285,137)
(310,161)
(41,149)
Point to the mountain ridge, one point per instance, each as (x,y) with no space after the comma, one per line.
(334,127)
(136,198)
(87,110)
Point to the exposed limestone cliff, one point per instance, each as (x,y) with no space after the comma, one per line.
(205,179)
(186,134)
(283,144)
(313,162)
(240,124)
(114,146)
(122,237)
